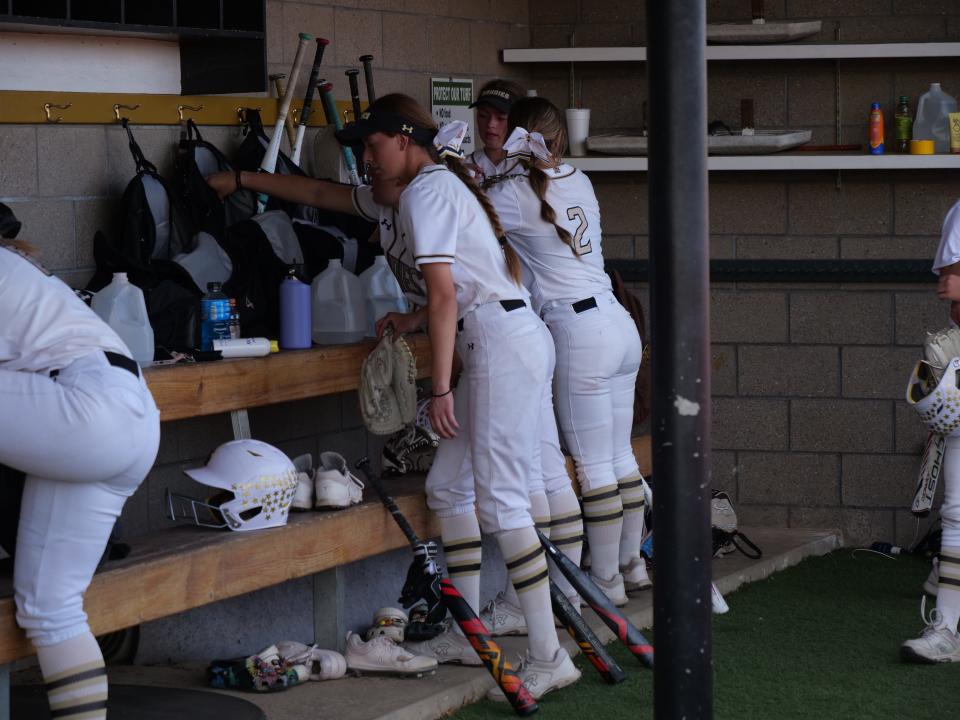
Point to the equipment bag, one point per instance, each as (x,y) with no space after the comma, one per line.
(726,537)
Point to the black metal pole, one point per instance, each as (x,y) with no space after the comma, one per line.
(680,311)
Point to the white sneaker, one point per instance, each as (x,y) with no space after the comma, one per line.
(635,576)
(382,656)
(936,644)
(933,579)
(303,495)
(322,664)
(613,589)
(542,676)
(502,617)
(335,486)
(447,647)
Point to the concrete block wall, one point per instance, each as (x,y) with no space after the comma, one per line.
(809,425)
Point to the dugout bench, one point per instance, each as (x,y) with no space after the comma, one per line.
(185,567)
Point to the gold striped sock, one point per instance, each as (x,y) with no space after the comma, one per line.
(603,506)
(78,693)
(463,557)
(950,569)
(528,569)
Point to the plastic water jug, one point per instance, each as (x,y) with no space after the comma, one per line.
(932,121)
(382,293)
(121,305)
(338,307)
(295,327)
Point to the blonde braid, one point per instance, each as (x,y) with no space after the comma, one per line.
(538,181)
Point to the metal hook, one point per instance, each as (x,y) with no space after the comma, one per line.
(49,106)
(181,108)
(346,116)
(117,107)
(242,112)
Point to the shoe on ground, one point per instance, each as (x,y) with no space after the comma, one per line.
(447,647)
(501,617)
(322,664)
(635,575)
(933,579)
(334,485)
(936,644)
(612,588)
(382,656)
(542,676)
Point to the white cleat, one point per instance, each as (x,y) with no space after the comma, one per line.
(542,676)
(322,664)
(447,647)
(936,644)
(382,656)
(635,575)
(502,617)
(334,485)
(613,589)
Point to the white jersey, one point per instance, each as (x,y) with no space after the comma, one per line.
(553,272)
(439,220)
(488,169)
(45,325)
(948,252)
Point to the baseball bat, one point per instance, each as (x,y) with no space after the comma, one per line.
(308,100)
(281,90)
(330,107)
(471,625)
(269,162)
(610,614)
(586,639)
(354,92)
(367,61)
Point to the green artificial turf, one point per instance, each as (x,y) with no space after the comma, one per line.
(819,640)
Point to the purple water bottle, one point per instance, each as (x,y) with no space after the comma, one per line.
(295,326)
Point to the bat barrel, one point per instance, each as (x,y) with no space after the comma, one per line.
(367,61)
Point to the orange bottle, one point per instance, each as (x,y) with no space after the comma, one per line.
(876,129)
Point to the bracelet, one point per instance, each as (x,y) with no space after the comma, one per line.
(441,394)
(239,184)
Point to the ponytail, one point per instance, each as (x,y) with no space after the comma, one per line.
(20,245)
(538,182)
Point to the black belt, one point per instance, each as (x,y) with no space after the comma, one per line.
(586,304)
(117,360)
(508,305)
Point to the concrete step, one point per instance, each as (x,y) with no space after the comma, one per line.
(380,698)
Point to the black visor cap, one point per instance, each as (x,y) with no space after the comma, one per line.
(387,122)
(498,99)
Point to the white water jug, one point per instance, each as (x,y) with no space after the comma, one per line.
(933,122)
(121,306)
(338,310)
(382,293)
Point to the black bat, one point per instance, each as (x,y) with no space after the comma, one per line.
(354,91)
(367,61)
(586,639)
(428,580)
(610,614)
(308,100)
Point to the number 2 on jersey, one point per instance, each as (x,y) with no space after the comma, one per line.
(579,247)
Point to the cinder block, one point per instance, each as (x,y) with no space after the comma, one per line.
(921,206)
(877,372)
(736,11)
(786,248)
(810,95)
(745,206)
(841,318)
(357,32)
(593,35)
(350,416)
(298,419)
(830,9)
(789,370)
(405,45)
(200,436)
(470,9)
(762,515)
(888,248)
(723,361)
(953,28)
(816,517)
(94,215)
(909,431)
(486,41)
(819,208)
(510,11)
(749,424)
(275,31)
(893,29)
(879,480)
(320,22)
(375,4)
(623,204)
(737,316)
(862,527)
(724,473)
(723,247)
(908,531)
(925,7)
(789,478)
(841,425)
(618,246)
(615,100)
(448,38)
(18,171)
(71,160)
(919,312)
(598,11)
(51,226)
(550,36)
(728,83)
(552,12)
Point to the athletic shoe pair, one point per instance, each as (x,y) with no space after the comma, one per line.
(382,656)
(502,616)
(635,575)
(937,642)
(331,486)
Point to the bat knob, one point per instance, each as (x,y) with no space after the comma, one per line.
(322,41)
(366,58)
(352,71)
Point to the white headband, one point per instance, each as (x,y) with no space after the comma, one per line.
(449,138)
(525,144)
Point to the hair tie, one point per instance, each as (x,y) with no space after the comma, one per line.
(527,145)
(449,139)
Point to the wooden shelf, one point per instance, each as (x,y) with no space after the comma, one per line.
(780,161)
(793,51)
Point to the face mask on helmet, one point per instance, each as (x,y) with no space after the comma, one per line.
(255,484)
(939,408)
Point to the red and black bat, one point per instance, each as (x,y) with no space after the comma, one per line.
(490,653)
(610,614)
(586,639)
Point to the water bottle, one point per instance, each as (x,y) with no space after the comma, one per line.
(903,125)
(932,123)
(338,307)
(121,305)
(214,316)
(382,293)
(295,327)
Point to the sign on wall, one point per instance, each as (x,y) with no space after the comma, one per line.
(449,100)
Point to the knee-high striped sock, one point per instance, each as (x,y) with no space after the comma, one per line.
(948,589)
(634,506)
(540,511)
(566,532)
(463,550)
(75,678)
(527,566)
(603,519)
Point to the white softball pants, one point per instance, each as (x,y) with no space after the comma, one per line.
(598,356)
(499,403)
(85,440)
(950,509)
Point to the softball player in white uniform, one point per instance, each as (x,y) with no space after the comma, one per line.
(77,418)
(447,235)
(551,216)
(493,107)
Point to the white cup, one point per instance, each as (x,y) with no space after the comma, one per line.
(578,129)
